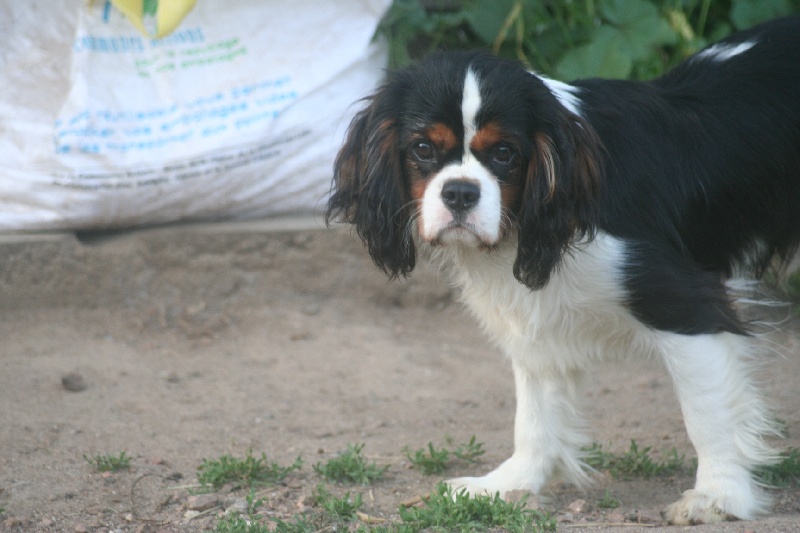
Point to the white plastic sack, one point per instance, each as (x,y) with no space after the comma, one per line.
(237,114)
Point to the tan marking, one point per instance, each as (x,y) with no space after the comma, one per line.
(418,187)
(442,136)
(546,151)
(510,197)
(486,137)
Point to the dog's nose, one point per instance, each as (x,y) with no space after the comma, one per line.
(460,196)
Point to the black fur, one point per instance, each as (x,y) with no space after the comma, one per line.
(703,175)
(370,188)
(697,172)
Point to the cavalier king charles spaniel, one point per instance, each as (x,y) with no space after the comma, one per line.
(594,220)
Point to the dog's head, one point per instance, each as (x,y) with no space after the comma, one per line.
(466,149)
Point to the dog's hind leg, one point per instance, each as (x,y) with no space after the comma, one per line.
(726,419)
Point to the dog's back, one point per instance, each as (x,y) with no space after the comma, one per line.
(708,156)
(702,174)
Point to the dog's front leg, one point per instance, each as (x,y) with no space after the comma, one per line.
(547,434)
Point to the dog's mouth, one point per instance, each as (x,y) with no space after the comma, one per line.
(461,232)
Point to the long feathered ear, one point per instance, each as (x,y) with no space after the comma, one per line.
(559,196)
(368,186)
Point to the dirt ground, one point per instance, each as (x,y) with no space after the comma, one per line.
(200,341)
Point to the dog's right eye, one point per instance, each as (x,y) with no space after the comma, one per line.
(424,152)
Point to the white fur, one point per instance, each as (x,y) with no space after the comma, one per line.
(566,94)
(726,419)
(483,224)
(552,336)
(470,105)
(723,52)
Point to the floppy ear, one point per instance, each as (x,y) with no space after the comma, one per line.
(368,186)
(559,197)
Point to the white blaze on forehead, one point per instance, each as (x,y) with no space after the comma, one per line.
(470,104)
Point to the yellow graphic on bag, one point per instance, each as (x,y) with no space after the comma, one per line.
(155,18)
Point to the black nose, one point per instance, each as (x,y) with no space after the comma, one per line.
(460,196)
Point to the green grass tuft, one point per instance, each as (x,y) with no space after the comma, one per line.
(245,472)
(109,463)
(350,466)
(608,501)
(634,462)
(437,460)
(343,508)
(448,511)
(783,474)
(240,524)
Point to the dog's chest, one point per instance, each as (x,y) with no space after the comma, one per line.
(578,315)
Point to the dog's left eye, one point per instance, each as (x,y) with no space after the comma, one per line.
(424,152)
(502,155)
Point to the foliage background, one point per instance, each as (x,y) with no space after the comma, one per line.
(570,39)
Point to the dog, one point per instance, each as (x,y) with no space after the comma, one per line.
(591,220)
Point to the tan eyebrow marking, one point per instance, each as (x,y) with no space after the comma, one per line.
(486,137)
(442,136)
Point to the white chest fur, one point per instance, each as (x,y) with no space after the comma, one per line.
(577,317)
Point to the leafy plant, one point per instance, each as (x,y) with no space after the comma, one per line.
(783,474)
(350,467)
(243,472)
(343,508)
(298,524)
(634,462)
(608,501)
(614,38)
(109,463)
(436,460)
(448,511)
(239,524)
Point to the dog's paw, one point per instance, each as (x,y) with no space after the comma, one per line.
(695,507)
(476,486)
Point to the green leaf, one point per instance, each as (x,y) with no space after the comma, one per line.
(747,13)
(486,18)
(603,56)
(641,26)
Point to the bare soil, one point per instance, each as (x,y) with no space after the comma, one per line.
(196,342)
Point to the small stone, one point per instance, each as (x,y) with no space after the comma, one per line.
(516,496)
(202,502)
(615,518)
(566,518)
(12,522)
(648,518)
(80,528)
(188,515)
(237,506)
(46,522)
(578,506)
(73,382)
